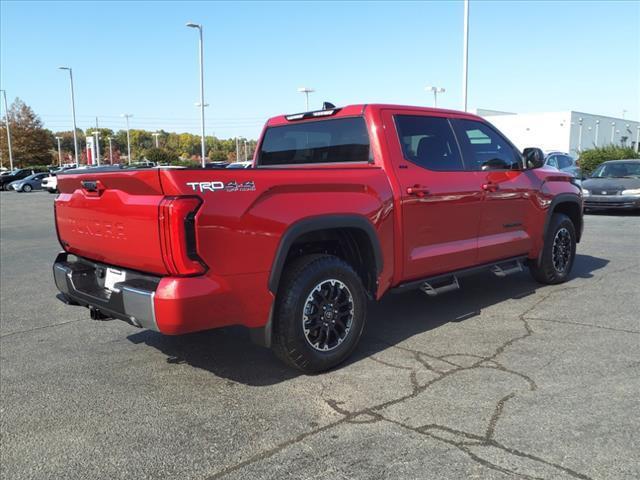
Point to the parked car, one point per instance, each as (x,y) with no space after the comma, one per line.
(32,182)
(240,165)
(613,185)
(342,205)
(216,165)
(18,174)
(50,183)
(563,162)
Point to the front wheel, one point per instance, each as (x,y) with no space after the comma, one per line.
(320,313)
(558,252)
(27,188)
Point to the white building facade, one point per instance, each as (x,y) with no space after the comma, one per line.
(568,131)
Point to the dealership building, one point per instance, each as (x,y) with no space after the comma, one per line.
(567,131)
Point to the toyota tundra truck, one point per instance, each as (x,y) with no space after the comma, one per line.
(339,207)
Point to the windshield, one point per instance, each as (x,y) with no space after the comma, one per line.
(617,170)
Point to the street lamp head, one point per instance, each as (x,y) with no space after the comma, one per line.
(125,115)
(61,67)
(306,90)
(193,25)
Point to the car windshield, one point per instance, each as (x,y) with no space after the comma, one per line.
(618,170)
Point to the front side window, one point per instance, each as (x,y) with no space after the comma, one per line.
(553,161)
(429,142)
(485,149)
(339,140)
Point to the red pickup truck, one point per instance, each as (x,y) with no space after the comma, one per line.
(341,205)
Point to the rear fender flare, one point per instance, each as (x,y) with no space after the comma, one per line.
(323,222)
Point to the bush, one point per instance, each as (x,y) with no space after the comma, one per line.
(160,156)
(590,159)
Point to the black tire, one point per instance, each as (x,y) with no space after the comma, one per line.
(309,285)
(27,188)
(558,252)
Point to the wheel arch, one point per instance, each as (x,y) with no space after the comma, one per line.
(570,205)
(340,228)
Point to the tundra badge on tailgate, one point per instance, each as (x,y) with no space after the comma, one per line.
(214,186)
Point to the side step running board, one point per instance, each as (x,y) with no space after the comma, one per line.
(447,282)
(507,268)
(433,289)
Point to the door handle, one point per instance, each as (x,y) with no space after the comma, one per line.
(418,191)
(490,187)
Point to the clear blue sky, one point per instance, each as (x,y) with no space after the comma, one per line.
(138,57)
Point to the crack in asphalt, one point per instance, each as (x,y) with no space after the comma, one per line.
(466,440)
(41,328)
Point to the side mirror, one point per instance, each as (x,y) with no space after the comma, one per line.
(533,157)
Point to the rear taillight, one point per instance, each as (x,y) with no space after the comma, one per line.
(177,222)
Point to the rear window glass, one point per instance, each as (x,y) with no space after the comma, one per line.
(327,141)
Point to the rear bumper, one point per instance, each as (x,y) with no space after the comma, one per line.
(170,305)
(611,202)
(79,281)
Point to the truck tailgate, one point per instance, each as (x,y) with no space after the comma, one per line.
(112,217)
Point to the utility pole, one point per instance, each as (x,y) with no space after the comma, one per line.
(110,150)
(6,122)
(156,135)
(127,116)
(202,104)
(306,91)
(59,151)
(73,113)
(465,55)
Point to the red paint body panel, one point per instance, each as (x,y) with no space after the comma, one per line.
(238,232)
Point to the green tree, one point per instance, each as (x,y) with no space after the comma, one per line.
(160,156)
(31,143)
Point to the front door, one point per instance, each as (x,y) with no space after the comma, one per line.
(508,190)
(440,200)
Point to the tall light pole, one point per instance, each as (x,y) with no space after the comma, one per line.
(127,116)
(436,91)
(237,150)
(580,134)
(638,138)
(624,112)
(465,55)
(613,131)
(59,151)
(156,135)
(110,150)
(597,129)
(306,91)
(6,122)
(246,154)
(96,134)
(73,114)
(202,105)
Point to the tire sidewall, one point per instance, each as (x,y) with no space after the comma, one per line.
(27,188)
(291,314)
(558,222)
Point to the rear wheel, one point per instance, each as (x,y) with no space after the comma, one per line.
(320,313)
(558,252)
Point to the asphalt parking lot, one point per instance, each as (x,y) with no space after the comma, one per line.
(502,379)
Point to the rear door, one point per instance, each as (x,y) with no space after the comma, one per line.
(112,217)
(440,199)
(507,190)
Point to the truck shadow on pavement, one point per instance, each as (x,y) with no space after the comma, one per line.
(229,353)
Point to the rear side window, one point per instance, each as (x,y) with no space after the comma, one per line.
(429,142)
(484,148)
(340,140)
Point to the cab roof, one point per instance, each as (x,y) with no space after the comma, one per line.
(359,109)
